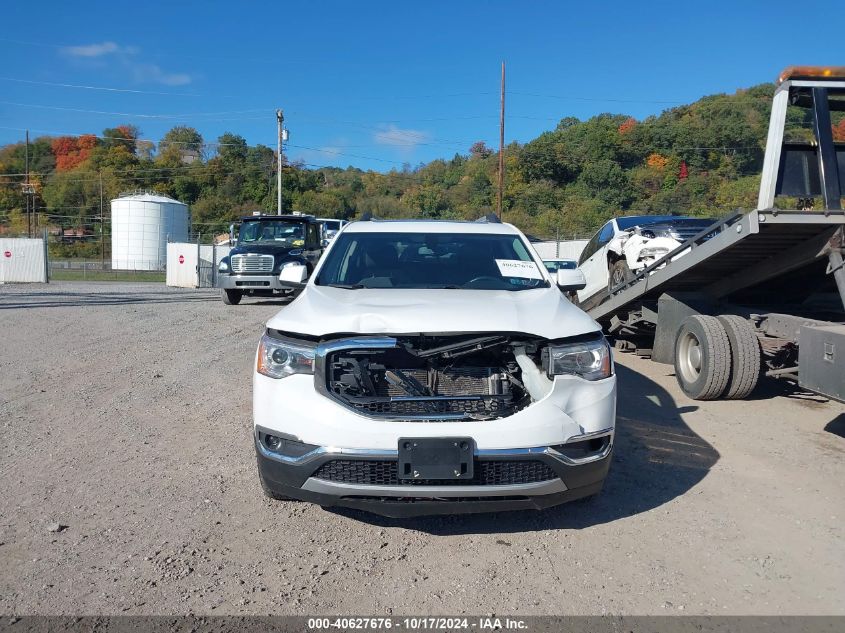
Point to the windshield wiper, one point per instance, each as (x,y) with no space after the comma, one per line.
(345,286)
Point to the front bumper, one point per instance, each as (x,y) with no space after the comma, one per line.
(248,282)
(553,478)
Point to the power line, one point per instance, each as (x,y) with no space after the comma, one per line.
(125,140)
(127,114)
(103,88)
(593,99)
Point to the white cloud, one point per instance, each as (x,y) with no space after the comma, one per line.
(126,56)
(92,50)
(398,137)
(154,73)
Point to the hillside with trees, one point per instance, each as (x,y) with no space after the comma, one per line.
(703,158)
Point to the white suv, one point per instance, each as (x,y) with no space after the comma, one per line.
(433,368)
(624,246)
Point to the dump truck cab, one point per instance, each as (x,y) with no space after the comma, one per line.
(263,246)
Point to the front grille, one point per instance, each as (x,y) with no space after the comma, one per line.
(420,407)
(252,263)
(385,473)
(683,233)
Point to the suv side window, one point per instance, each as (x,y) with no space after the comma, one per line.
(606,234)
(589,249)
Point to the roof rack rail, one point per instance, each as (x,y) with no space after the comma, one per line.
(492,218)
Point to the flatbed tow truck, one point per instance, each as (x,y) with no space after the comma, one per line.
(756,293)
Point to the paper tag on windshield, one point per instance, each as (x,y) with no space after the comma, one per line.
(518,268)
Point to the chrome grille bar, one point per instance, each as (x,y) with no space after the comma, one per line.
(252,263)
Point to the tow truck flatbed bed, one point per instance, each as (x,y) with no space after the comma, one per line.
(746,250)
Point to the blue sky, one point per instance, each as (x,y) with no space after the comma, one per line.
(379,84)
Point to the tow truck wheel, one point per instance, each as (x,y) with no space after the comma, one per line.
(619,274)
(232,297)
(745,356)
(702,357)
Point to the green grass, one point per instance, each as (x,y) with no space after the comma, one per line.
(59,274)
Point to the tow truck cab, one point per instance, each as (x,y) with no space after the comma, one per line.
(264,245)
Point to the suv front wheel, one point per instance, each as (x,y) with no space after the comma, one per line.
(619,274)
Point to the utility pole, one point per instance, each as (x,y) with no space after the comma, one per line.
(501,148)
(102,226)
(280,118)
(26,188)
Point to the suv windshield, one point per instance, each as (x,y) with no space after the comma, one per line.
(430,260)
(554,265)
(287,233)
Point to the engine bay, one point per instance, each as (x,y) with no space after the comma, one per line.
(424,377)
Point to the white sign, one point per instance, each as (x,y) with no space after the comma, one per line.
(518,268)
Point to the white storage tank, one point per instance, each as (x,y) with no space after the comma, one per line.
(142,224)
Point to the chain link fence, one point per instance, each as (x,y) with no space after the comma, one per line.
(99,270)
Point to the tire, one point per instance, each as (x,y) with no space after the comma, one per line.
(702,357)
(618,273)
(232,297)
(745,357)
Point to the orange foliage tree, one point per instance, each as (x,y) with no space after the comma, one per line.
(656,161)
(627,125)
(70,152)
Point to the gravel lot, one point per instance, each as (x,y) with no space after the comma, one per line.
(125,413)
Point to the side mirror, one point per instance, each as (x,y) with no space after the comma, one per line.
(571,279)
(293,275)
(231,235)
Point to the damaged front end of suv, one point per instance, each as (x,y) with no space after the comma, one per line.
(649,240)
(454,377)
(424,372)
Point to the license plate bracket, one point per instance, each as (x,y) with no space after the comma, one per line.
(436,458)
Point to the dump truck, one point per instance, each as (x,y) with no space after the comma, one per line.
(263,247)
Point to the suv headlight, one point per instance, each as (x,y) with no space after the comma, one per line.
(589,360)
(278,359)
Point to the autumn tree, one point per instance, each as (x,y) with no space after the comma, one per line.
(479,149)
(70,151)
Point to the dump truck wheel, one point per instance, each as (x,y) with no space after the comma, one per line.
(745,357)
(702,357)
(232,297)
